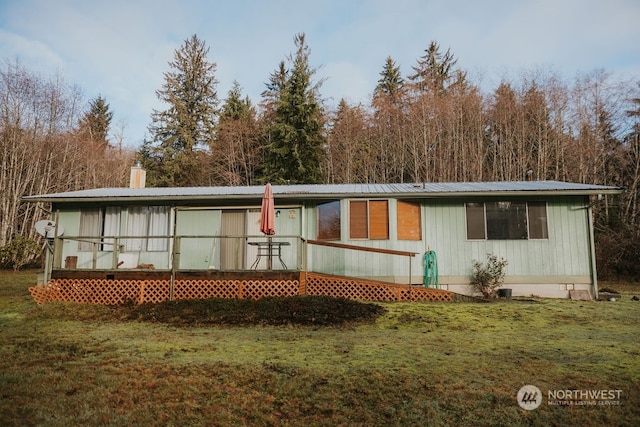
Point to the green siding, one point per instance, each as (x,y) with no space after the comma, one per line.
(566,252)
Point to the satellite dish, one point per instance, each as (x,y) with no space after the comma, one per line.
(47,228)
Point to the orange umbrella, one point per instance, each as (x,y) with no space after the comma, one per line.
(268,219)
(267,212)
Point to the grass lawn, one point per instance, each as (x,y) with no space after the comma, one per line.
(416,364)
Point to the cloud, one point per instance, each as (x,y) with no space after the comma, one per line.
(29,51)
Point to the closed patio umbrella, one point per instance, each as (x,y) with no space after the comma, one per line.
(268,218)
(267,212)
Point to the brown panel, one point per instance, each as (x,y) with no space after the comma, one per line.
(409,221)
(358,220)
(379,219)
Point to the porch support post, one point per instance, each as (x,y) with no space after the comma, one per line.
(57,244)
(175,261)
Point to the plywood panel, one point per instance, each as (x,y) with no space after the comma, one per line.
(378,219)
(409,221)
(358,219)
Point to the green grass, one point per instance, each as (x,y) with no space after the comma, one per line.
(414,364)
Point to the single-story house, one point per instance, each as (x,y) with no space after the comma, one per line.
(543,229)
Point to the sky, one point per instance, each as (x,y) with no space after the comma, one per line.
(120,49)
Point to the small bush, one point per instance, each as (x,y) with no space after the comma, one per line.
(19,252)
(486,279)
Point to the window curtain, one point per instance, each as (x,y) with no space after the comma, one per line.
(158,226)
(136,227)
(90,226)
(111,227)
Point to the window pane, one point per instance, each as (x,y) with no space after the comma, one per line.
(506,220)
(358,220)
(90,226)
(537,215)
(379,219)
(409,221)
(475,221)
(329,221)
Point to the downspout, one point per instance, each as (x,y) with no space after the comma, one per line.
(174,253)
(592,251)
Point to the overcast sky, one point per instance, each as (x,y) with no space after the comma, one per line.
(119,49)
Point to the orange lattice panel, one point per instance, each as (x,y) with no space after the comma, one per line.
(366,290)
(112,292)
(256,289)
(154,291)
(202,289)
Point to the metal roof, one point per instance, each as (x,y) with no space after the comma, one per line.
(324,191)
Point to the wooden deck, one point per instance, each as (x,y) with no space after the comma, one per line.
(113,288)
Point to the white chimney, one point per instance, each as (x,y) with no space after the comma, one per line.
(138,176)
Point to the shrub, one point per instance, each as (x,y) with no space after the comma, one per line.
(20,251)
(486,279)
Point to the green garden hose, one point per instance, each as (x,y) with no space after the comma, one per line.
(430,270)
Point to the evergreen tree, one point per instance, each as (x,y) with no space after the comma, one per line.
(296,140)
(172,157)
(95,123)
(235,149)
(387,142)
(275,85)
(434,71)
(391,82)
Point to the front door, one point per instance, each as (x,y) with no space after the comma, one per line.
(232,245)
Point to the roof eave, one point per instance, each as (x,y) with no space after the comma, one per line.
(299,196)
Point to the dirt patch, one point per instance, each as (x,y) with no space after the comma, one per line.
(299,310)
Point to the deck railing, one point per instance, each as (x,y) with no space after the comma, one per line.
(176,253)
(181,252)
(363,257)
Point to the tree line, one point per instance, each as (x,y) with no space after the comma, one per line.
(432,124)
(49,143)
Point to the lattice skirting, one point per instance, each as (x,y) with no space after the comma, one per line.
(112,292)
(365,290)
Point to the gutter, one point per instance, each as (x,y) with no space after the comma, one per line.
(322,196)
